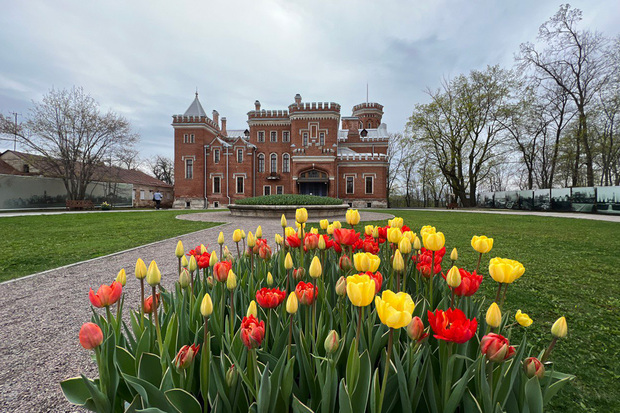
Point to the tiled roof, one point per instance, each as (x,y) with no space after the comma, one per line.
(7,169)
(195,109)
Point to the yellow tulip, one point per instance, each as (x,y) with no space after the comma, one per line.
(184,261)
(394,235)
(237,235)
(220,238)
(292,304)
(404,246)
(193,265)
(269,279)
(337,225)
(259,232)
(324,224)
(454,255)
(242,234)
(206,306)
(398,263)
(330,229)
(301,215)
(252,310)
(368,230)
(375,232)
(416,244)
(121,277)
(203,249)
(251,240)
(288,261)
(494,316)
(353,217)
(560,328)
(315,268)
(434,242)
(504,270)
(341,286)
(427,229)
(314,230)
(360,289)
(279,239)
(523,319)
(283,221)
(288,231)
(153,275)
(482,244)
(184,278)
(394,310)
(179,251)
(322,244)
(410,235)
(397,222)
(231,281)
(365,261)
(140,269)
(453,278)
(213,259)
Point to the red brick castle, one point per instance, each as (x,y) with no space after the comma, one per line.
(296,151)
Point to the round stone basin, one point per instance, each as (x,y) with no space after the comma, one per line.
(276,211)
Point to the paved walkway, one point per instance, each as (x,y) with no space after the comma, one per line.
(40,315)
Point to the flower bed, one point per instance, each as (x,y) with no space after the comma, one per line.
(289,199)
(329,320)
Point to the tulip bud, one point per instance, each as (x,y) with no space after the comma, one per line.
(283,221)
(206,306)
(179,251)
(330,229)
(231,281)
(231,376)
(345,263)
(332,342)
(278,239)
(322,244)
(415,329)
(314,230)
(288,261)
(251,240)
(236,235)
(560,328)
(121,277)
(416,244)
(210,281)
(252,310)
(368,230)
(193,265)
(324,224)
(404,246)
(259,232)
(184,262)
(269,279)
(454,277)
(341,286)
(184,278)
(494,316)
(153,275)
(140,269)
(90,336)
(533,367)
(242,234)
(454,255)
(213,259)
(315,268)
(203,249)
(299,273)
(220,238)
(398,264)
(301,215)
(292,304)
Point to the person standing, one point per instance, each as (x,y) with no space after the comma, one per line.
(157,196)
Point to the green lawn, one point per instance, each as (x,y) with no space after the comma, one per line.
(31,244)
(572,269)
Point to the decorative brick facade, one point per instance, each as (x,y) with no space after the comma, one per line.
(296,151)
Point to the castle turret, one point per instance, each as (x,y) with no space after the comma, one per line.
(369,115)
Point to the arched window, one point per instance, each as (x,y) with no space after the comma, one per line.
(274,162)
(261,162)
(369,125)
(286,163)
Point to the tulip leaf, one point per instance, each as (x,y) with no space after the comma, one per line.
(135,403)
(264,392)
(205,362)
(554,388)
(458,389)
(99,399)
(299,407)
(170,340)
(182,401)
(353,367)
(276,379)
(151,410)
(403,388)
(359,396)
(125,361)
(150,369)
(76,391)
(220,381)
(508,379)
(151,395)
(286,385)
(375,392)
(533,395)
(344,400)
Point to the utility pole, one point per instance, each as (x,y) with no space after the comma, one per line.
(15,131)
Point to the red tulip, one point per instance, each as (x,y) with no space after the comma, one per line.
(370,245)
(90,336)
(203,260)
(423,262)
(415,330)
(311,241)
(345,263)
(148,303)
(185,356)
(533,367)
(270,297)
(346,236)
(470,282)
(497,348)
(252,332)
(293,241)
(264,251)
(452,325)
(220,270)
(106,295)
(299,273)
(306,293)
(378,278)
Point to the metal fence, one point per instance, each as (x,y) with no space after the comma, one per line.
(597,199)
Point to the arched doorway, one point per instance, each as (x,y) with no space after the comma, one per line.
(313,182)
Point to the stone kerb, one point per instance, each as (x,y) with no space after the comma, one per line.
(276,211)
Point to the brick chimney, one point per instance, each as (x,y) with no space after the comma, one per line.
(298,98)
(224,126)
(257,105)
(216,117)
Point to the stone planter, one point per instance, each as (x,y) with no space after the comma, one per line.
(276,211)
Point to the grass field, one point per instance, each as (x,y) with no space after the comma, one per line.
(31,244)
(572,269)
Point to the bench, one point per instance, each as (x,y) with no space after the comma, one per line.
(452,205)
(80,204)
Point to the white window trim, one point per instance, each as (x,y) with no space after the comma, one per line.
(185,159)
(192,138)
(372,178)
(273,133)
(289,163)
(185,138)
(324,136)
(237,184)
(265,187)
(258,162)
(213,183)
(346,177)
(220,155)
(305,140)
(258,136)
(271,164)
(237,155)
(284,132)
(279,186)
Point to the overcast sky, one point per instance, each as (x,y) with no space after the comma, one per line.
(145,59)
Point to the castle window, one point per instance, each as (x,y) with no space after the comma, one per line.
(322,139)
(185,138)
(217,184)
(369,184)
(305,142)
(274,163)
(261,136)
(274,136)
(286,136)
(350,186)
(267,190)
(240,155)
(261,163)
(240,185)
(216,156)
(279,189)
(191,138)
(286,163)
(189,168)
(369,125)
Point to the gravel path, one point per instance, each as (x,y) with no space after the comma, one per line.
(40,315)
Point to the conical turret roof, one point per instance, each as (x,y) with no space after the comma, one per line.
(195,109)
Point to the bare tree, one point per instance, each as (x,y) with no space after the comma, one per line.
(73,136)
(162,168)
(396,157)
(127,159)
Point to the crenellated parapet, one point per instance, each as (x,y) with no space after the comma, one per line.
(183,119)
(314,107)
(263,114)
(367,106)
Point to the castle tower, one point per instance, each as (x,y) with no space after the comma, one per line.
(369,115)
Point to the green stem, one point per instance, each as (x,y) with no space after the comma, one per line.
(499,290)
(431,281)
(205,332)
(314,323)
(478,266)
(490,377)
(503,296)
(142,303)
(359,327)
(268,328)
(157,329)
(290,335)
(549,350)
(387,369)
(232,315)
